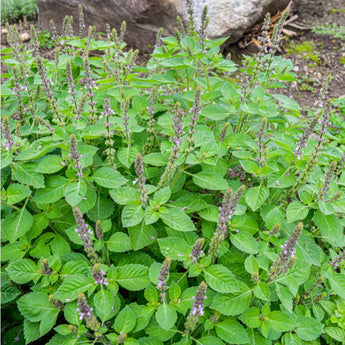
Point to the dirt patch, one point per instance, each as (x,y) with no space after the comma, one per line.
(314,55)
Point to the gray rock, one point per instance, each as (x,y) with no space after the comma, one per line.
(144,17)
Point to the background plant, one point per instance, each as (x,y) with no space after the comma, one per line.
(13,10)
(165,204)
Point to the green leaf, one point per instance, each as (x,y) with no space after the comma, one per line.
(26,174)
(233,304)
(291,339)
(155,159)
(174,247)
(31,331)
(215,112)
(104,302)
(176,219)
(118,243)
(141,235)
(50,165)
(125,195)
(109,178)
(296,211)
(162,196)
(337,281)
(132,215)
(72,286)
(210,180)
(220,279)
(17,192)
(54,191)
(102,210)
(75,192)
(22,271)
(281,322)
(166,316)
(191,203)
(336,333)
(125,320)
(262,291)
(245,242)
(17,224)
(308,328)
(287,102)
(126,155)
(249,166)
(35,306)
(8,292)
(256,196)
(285,297)
(331,229)
(133,277)
(232,332)
(251,317)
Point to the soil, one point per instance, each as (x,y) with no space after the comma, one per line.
(327,50)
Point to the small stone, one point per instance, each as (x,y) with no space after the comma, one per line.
(24,37)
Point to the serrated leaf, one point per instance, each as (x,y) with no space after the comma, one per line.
(220,279)
(215,112)
(133,277)
(75,192)
(109,178)
(132,215)
(35,306)
(232,332)
(104,302)
(125,320)
(285,297)
(118,243)
(26,174)
(8,292)
(166,316)
(251,317)
(17,224)
(54,190)
(141,235)
(176,219)
(16,192)
(210,180)
(72,286)
(256,196)
(50,165)
(245,242)
(22,271)
(337,281)
(174,247)
(281,322)
(331,229)
(125,195)
(162,196)
(126,155)
(308,328)
(262,291)
(336,333)
(233,304)
(296,211)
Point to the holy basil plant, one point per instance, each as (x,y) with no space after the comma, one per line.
(184,201)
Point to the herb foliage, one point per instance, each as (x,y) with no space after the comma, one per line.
(166,203)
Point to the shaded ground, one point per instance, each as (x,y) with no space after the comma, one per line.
(314,55)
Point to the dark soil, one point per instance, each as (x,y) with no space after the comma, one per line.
(329,50)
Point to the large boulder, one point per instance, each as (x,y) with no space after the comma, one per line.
(144,17)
